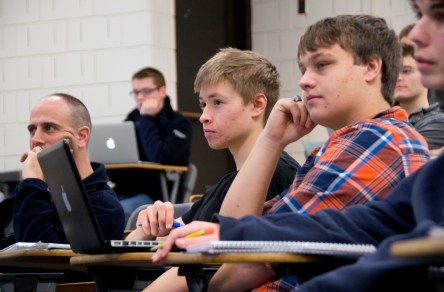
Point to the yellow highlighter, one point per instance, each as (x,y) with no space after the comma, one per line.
(208,230)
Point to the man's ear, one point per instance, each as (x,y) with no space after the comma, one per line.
(374,69)
(162,91)
(83,134)
(259,103)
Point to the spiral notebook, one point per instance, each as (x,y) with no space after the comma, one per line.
(302,247)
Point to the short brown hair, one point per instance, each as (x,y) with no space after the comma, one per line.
(408,50)
(149,72)
(406,30)
(247,71)
(364,37)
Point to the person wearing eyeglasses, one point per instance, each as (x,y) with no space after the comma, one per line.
(163,136)
(411,95)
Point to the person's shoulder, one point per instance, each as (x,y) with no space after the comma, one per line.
(434,112)
(132,115)
(31,182)
(382,124)
(367,132)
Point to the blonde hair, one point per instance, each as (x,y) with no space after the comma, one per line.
(247,71)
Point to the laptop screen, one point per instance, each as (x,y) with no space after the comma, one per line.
(70,198)
(113,143)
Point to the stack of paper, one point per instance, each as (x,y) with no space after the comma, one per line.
(36,245)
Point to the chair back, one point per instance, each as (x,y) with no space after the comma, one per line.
(189,182)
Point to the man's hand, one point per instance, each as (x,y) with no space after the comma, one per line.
(31,165)
(151,107)
(179,237)
(288,122)
(156,220)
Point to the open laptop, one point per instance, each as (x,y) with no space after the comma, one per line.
(74,208)
(113,143)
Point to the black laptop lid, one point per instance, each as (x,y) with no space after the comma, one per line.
(70,199)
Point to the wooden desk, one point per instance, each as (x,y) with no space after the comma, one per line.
(36,270)
(166,172)
(196,267)
(428,248)
(421,247)
(46,259)
(143,259)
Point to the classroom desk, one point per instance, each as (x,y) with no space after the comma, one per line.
(35,270)
(421,247)
(425,248)
(46,259)
(166,172)
(143,259)
(193,266)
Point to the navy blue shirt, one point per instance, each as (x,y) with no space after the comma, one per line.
(36,219)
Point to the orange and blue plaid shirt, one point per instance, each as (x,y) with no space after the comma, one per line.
(359,163)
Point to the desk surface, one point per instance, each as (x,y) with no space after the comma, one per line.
(421,247)
(142,259)
(153,166)
(49,259)
(166,172)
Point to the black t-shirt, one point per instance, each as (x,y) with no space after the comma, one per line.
(211,202)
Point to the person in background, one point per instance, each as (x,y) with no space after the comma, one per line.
(404,34)
(53,118)
(371,151)
(411,95)
(237,90)
(163,136)
(433,95)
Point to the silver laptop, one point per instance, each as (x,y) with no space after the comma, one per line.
(74,208)
(113,143)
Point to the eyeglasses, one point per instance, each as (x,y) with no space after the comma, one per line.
(143,91)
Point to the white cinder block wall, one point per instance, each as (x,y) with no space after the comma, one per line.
(90,49)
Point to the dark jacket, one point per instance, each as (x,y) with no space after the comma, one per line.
(429,122)
(164,139)
(35,217)
(416,205)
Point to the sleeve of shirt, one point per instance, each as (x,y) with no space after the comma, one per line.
(189,215)
(382,271)
(370,223)
(34,215)
(109,213)
(433,131)
(360,165)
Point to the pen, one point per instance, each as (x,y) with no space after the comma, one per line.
(175,224)
(208,230)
